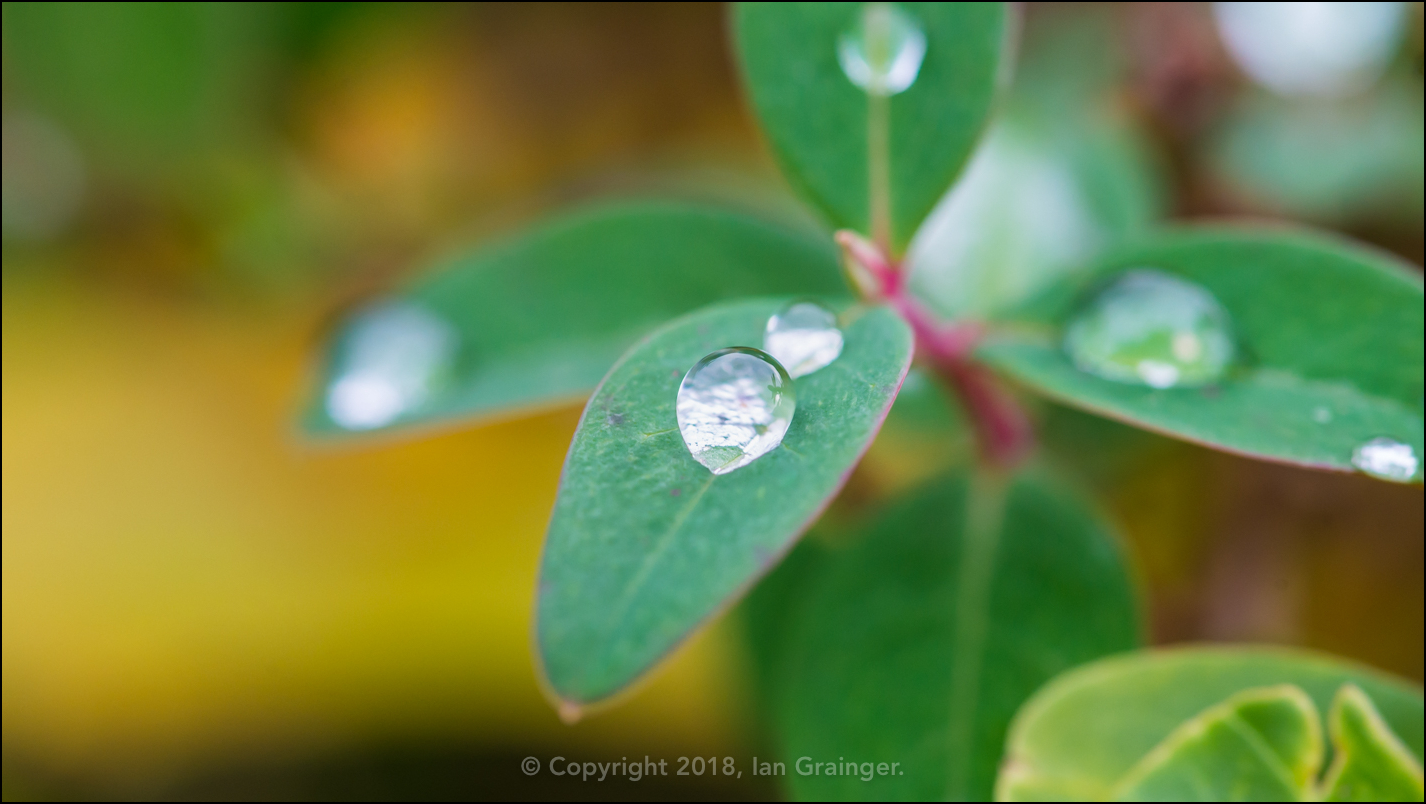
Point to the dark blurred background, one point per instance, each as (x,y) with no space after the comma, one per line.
(195,604)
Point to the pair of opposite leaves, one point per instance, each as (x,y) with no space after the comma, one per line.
(1262,744)
(1316,286)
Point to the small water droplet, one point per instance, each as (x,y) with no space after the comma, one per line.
(804,337)
(883,53)
(1322,415)
(391,359)
(1386,459)
(733,407)
(1152,328)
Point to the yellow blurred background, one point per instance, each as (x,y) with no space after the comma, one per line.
(196,604)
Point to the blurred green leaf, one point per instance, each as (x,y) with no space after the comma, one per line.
(1329,336)
(1259,745)
(1371,763)
(540,318)
(817,120)
(917,643)
(1358,159)
(1036,201)
(143,84)
(1062,174)
(1086,730)
(645,544)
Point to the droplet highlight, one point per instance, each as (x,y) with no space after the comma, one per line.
(1152,328)
(883,53)
(391,359)
(1387,459)
(734,406)
(804,337)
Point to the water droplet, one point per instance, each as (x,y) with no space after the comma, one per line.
(1386,459)
(883,53)
(734,406)
(804,337)
(1322,415)
(391,359)
(1152,328)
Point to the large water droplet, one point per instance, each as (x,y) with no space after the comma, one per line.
(1387,459)
(1152,328)
(883,53)
(804,337)
(734,406)
(391,359)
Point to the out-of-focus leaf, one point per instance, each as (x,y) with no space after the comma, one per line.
(916,643)
(645,544)
(1358,159)
(1062,174)
(1085,731)
(1259,745)
(142,83)
(817,120)
(1371,763)
(541,318)
(1329,342)
(1032,206)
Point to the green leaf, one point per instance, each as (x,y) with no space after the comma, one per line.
(645,544)
(1038,199)
(1354,159)
(1086,730)
(1062,174)
(1259,745)
(1329,336)
(146,86)
(539,319)
(818,122)
(916,643)
(1371,762)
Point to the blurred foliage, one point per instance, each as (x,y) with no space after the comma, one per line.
(194,607)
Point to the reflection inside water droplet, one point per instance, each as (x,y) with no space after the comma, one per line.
(804,337)
(733,407)
(1152,328)
(390,360)
(882,54)
(1386,459)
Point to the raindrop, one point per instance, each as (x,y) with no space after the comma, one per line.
(1386,459)
(734,406)
(1152,328)
(391,359)
(1322,415)
(804,337)
(883,53)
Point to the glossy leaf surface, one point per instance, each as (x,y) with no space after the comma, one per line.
(539,319)
(645,544)
(916,643)
(1080,735)
(818,122)
(1329,346)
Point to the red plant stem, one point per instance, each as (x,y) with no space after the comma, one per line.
(1003,431)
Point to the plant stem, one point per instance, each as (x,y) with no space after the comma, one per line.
(1003,431)
(879,169)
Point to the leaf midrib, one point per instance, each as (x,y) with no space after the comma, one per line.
(987,495)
